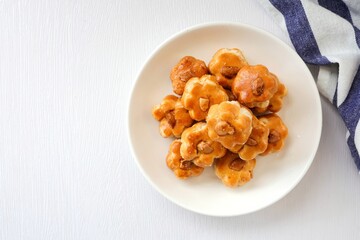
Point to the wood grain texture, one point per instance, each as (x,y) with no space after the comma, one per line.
(66,171)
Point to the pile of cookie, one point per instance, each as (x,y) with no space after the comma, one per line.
(224,115)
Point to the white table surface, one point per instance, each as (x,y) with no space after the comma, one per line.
(66,171)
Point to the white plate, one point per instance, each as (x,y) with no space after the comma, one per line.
(275,175)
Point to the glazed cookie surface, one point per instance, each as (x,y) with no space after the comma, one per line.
(198,147)
(233,171)
(182,169)
(278,132)
(173,117)
(185,69)
(257,142)
(200,94)
(225,64)
(254,86)
(276,102)
(230,124)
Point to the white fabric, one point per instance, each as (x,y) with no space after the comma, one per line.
(330,33)
(327,79)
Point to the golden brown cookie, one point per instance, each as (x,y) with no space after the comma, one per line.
(198,147)
(181,168)
(225,64)
(185,69)
(277,132)
(233,171)
(173,117)
(230,124)
(200,94)
(257,142)
(276,102)
(254,86)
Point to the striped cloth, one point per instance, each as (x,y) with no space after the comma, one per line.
(326,33)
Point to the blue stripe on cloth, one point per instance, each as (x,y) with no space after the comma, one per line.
(334,100)
(350,112)
(357,35)
(340,8)
(300,31)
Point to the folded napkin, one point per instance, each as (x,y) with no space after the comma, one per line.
(326,33)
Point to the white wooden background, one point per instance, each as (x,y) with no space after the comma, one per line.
(66,172)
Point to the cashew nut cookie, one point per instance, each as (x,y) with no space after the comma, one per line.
(278,132)
(254,86)
(276,102)
(173,117)
(233,171)
(185,69)
(225,64)
(198,147)
(181,168)
(230,124)
(257,142)
(200,94)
